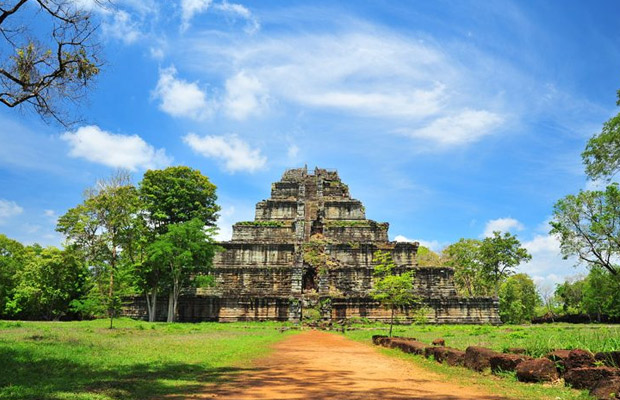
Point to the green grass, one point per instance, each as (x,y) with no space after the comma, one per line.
(536,339)
(136,360)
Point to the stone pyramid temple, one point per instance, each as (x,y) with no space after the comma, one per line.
(309,252)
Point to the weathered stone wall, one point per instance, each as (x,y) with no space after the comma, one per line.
(371,233)
(269,210)
(244,308)
(248,254)
(344,209)
(258,233)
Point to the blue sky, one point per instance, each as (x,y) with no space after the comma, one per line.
(447,119)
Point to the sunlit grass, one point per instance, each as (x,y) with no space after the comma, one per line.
(136,360)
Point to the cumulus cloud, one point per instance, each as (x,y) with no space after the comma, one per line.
(114,150)
(502,225)
(245,95)
(180,98)
(9,209)
(463,127)
(434,245)
(547,266)
(236,154)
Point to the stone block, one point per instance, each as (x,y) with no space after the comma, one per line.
(478,358)
(506,362)
(606,389)
(588,377)
(537,370)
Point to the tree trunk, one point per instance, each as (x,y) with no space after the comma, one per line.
(391,321)
(173,301)
(170,317)
(151,304)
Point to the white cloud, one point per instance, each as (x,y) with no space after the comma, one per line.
(121,26)
(9,209)
(361,71)
(189,8)
(224,223)
(293,151)
(238,10)
(502,225)
(434,245)
(180,98)
(245,95)
(234,152)
(547,267)
(114,150)
(464,127)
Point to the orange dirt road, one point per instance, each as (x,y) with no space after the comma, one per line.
(321,365)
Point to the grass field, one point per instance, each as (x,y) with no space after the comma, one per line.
(536,339)
(137,360)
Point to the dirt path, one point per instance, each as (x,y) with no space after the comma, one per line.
(320,365)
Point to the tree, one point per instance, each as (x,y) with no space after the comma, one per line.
(102,227)
(48,281)
(171,196)
(518,299)
(186,251)
(600,294)
(588,226)
(390,289)
(464,257)
(178,194)
(499,255)
(11,260)
(426,257)
(48,71)
(570,295)
(602,154)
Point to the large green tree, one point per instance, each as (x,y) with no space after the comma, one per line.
(49,55)
(588,226)
(11,260)
(47,282)
(499,255)
(171,196)
(464,257)
(178,194)
(518,299)
(602,154)
(391,289)
(185,251)
(103,226)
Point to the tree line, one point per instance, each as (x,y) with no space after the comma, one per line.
(154,239)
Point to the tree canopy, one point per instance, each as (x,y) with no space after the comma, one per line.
(518,299)
(391,289)
(601,156)
(46,71)
(588,226)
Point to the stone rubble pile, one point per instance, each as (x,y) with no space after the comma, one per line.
(599,373)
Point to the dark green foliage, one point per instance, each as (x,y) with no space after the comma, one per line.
(178,194)
(184,251)
(602,154)
(518,299)
(11,260)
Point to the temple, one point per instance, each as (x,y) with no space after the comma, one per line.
(309,251)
